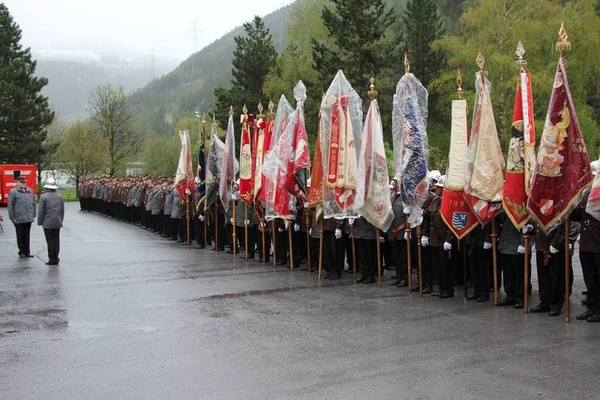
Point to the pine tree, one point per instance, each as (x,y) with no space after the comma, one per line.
(253,58)
(423,26)
(360,43)
(357,41)
(24,112)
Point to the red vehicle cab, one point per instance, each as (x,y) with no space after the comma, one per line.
(9,174)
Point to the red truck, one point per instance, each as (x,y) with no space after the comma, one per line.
(9,174)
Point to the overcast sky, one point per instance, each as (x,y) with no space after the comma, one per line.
(164,27)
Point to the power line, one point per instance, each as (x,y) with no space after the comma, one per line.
(152,59)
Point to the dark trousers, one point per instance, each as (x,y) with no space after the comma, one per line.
(513,267)
(480,265)
(263,257)
(551,279)
(333,253)
(400,257)
(22,231)
(199,231)
(53,242)
(427,267)
(281,246)
(366,254)
(590,266)
(445,268)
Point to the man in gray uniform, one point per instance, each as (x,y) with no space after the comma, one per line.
(51,212)
(21,212)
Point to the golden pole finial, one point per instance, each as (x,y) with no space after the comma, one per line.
(459,82)
(406,64)
(260,110)
(372,92)
(480,61)
(214,120)
(203,118)
(520,52)
(563,44)
(245,109)
(231,111)
(271,107)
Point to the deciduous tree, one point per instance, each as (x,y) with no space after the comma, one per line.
(112,119)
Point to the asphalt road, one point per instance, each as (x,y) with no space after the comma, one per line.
(127,315)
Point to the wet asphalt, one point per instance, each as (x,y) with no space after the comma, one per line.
(127,315)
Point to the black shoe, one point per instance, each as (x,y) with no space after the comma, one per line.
(427,290)
(436,293)
(22,256)
(334,277)
(594,317)
(29,255)
(519,305)
(361,279)
(394,277)
(584,315)
(394,283)
(584,302)
(445,295)
(369,280)
(473,297)
(554,313)
(540,308)
(483,298)
(402,283)
(507,301)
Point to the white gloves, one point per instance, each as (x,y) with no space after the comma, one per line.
(405,235)
(280,230)
(201,217)
(231,221)
(570,246)
(233,196)
(521,249)
(296,227)
(350,221)
(338,234)
(247,222)
(553,250)
(527,228)
(487,245)
(381,239)
(425,241)
(406,210)
(187,191)
(306,204)
(447,246)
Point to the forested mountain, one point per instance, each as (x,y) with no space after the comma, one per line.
(191,85)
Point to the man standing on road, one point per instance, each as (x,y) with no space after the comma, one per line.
(21,212)
(51,212)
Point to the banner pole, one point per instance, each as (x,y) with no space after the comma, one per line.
(494,235)
(567,271)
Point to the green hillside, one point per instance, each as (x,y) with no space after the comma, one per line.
(190,86)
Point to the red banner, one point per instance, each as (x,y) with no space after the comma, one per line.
(563,172)
(246,163)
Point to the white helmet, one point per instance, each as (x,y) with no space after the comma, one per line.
(435,175)
(440,182)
